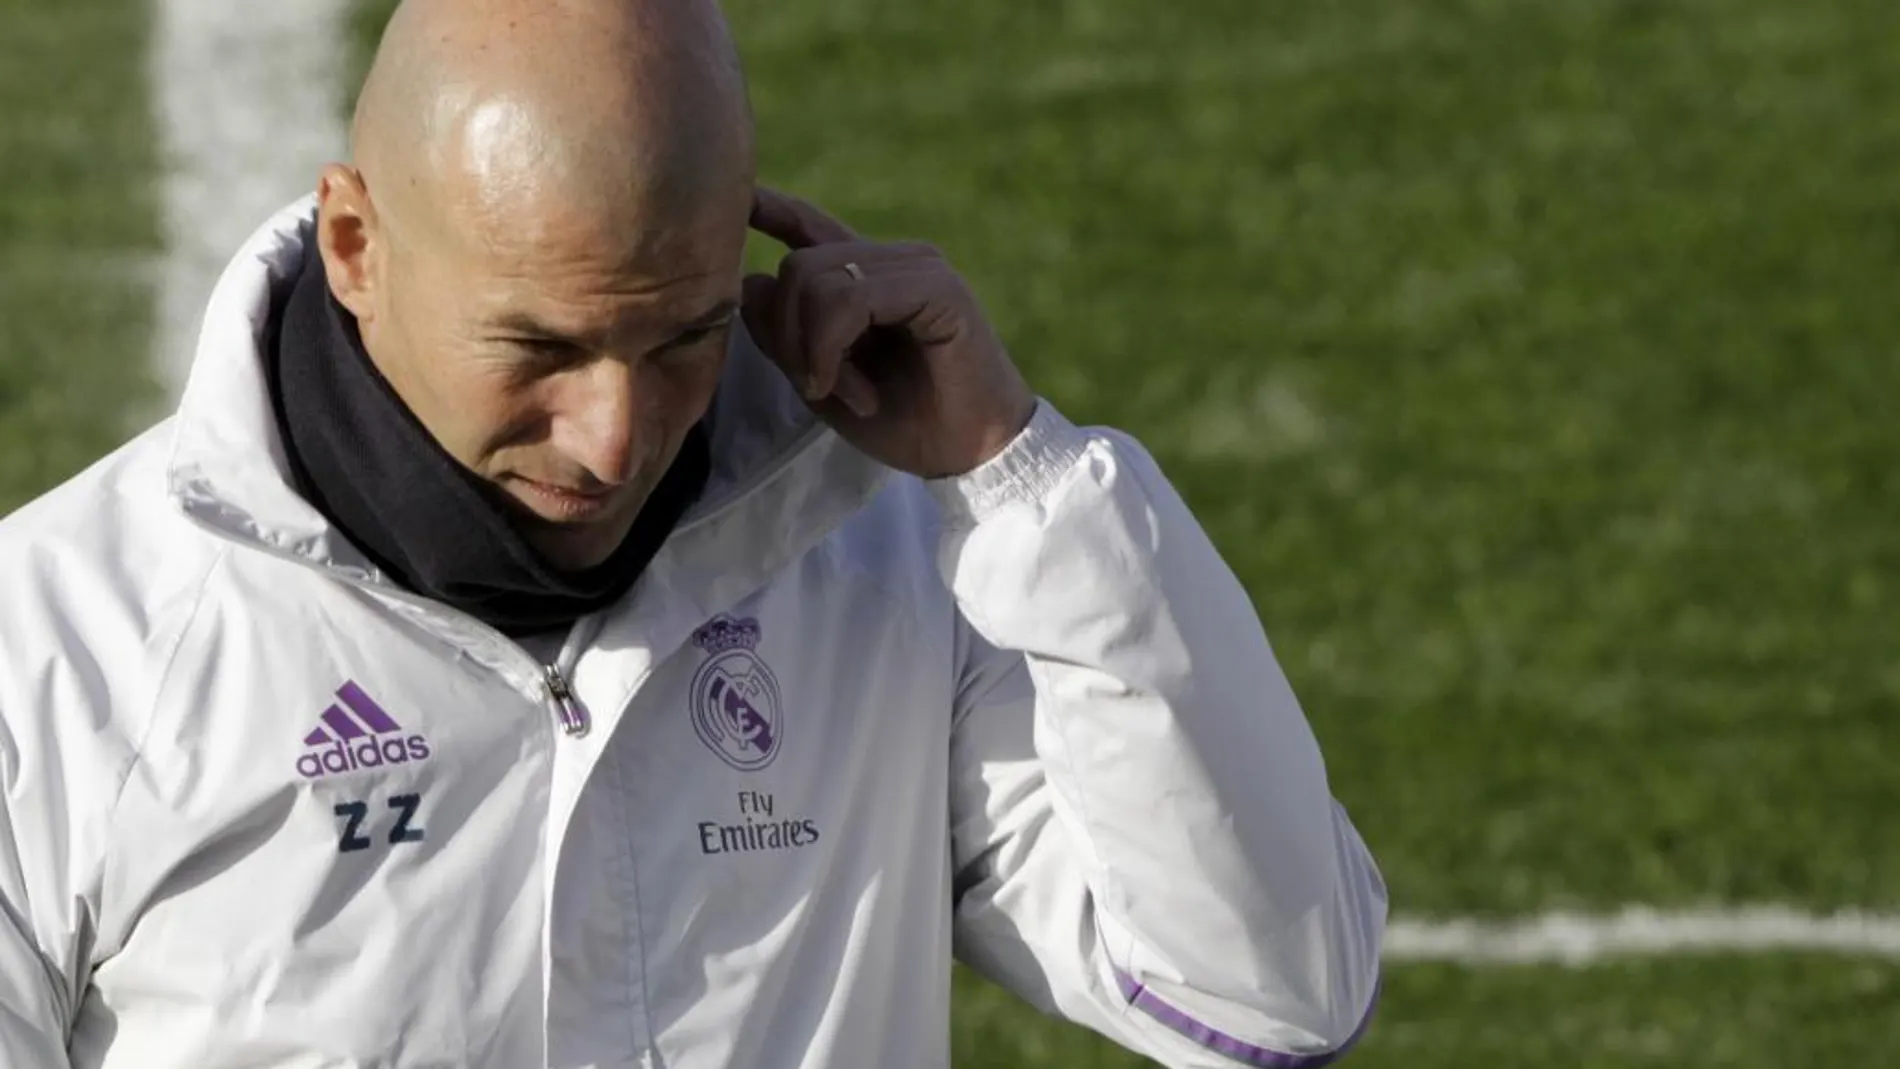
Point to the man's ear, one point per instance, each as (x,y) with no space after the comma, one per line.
(348,238)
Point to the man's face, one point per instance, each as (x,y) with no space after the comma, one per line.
(561,360)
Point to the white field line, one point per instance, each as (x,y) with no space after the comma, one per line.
(1580,939)
(249,96)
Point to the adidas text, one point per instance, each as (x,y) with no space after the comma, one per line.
(342,757)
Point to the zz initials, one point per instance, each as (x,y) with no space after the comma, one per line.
(355,814)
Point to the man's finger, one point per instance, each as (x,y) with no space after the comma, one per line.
(836,316)
(926,300)
(820,259)
(856,392)
(819,372)
(795,223)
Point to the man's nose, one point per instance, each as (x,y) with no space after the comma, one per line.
(598,424)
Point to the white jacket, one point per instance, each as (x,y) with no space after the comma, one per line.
(261,808)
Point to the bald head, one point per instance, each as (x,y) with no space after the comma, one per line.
(540,235)
(619,111)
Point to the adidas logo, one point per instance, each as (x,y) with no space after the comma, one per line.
(356,734)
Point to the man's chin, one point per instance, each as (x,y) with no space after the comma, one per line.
(567,538)
(575,547)
(571,544)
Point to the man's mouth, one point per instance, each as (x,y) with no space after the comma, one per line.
(563,503)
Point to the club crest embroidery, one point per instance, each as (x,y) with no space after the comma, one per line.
(736,707)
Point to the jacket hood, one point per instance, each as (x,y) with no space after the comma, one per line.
(780,478)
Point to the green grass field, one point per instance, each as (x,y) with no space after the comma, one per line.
(1533,363)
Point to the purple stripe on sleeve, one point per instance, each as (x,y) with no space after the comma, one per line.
(1223,1044)
(316,738)
(366,708)
(340,722)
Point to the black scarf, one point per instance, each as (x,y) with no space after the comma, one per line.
(362,458)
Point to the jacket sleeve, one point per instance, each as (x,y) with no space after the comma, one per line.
(1143,834)
(43,924)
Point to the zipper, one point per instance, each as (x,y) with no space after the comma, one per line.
(573,714)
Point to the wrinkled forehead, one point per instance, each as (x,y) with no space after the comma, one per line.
(513,186)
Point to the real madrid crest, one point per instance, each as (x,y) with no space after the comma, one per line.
(735,697)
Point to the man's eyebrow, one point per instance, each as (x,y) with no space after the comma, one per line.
(525,325)
(717,316)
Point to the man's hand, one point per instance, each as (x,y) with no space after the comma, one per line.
(886,343)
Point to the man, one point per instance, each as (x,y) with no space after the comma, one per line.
(507,657)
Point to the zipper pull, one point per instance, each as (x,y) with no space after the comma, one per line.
(573,714)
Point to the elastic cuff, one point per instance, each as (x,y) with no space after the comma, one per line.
(1031,466)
